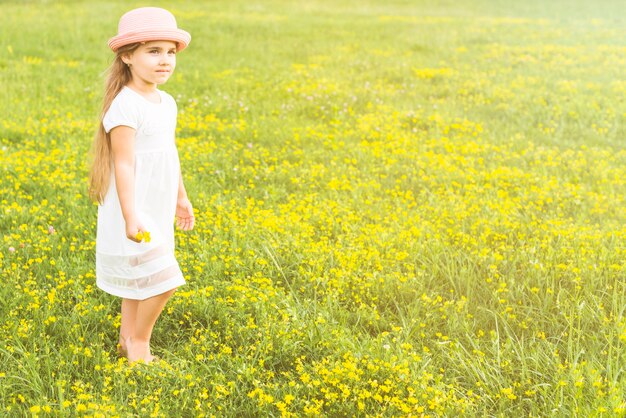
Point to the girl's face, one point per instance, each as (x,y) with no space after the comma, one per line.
(152,63)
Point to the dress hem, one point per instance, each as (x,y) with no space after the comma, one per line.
(144,293)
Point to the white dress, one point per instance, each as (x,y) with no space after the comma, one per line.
(141,270)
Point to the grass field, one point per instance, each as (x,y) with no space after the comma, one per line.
(404,208)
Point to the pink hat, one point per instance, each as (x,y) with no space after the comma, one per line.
(148,24)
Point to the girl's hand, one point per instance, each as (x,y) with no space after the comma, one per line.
(133,229)
(184,215)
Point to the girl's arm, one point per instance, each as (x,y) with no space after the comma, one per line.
(184,211)
(123,147)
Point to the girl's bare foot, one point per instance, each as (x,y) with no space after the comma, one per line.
(137,350)
(122,351)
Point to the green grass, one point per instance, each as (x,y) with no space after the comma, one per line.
(404,208)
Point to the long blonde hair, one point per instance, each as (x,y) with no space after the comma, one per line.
(118,75)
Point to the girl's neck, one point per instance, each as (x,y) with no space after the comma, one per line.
(146,88)
(149,91)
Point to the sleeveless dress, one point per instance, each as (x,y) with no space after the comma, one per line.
(141,270)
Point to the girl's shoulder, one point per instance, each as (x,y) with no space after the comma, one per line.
(166,97)
(125,109)
(126,98)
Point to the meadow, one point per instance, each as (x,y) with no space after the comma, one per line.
(404,208)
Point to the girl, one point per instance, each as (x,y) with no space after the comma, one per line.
(136,176)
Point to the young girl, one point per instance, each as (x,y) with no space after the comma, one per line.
(136,176)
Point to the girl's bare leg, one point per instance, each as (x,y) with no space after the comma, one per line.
(146,314)
(127,328)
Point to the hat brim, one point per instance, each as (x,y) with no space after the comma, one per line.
(181,37)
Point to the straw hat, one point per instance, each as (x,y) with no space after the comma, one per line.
(148,24)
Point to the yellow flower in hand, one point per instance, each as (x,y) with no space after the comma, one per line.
(143,236)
